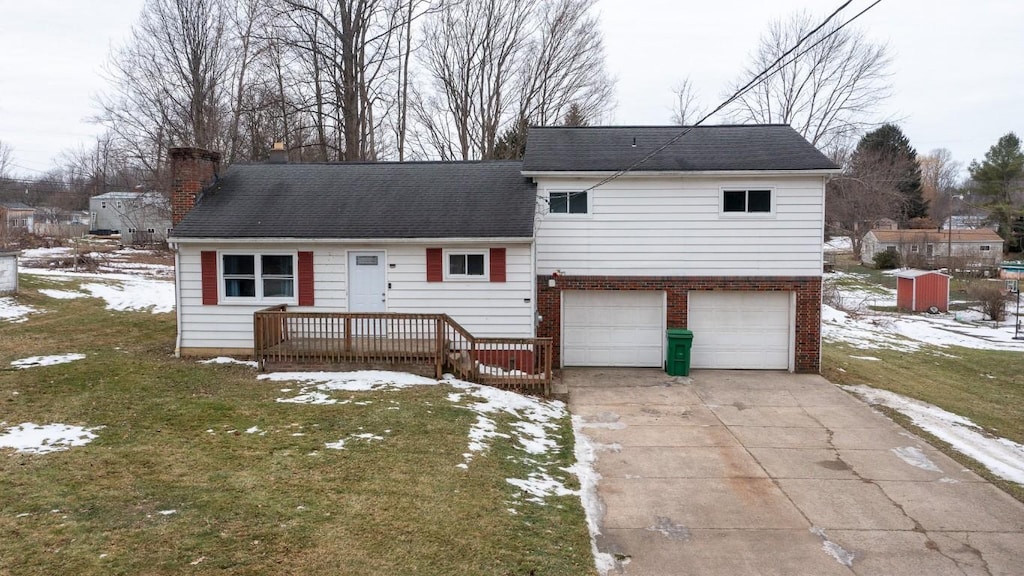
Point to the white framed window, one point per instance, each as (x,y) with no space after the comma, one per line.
(466,265)
(131,230)
(752,201)
(151,230)
(984,248)
(119,205)
(260,277)
(568,202)
(915,248)
(103,204)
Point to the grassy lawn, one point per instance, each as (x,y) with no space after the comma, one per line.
(273,501)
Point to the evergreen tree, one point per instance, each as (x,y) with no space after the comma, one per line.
(888,148)
(511,145)
(1000,180)
(575,116)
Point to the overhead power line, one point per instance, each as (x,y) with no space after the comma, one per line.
(759,78)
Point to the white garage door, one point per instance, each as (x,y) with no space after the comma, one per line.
(613,328)
(740,329)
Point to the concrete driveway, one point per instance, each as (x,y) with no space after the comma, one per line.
(738,473)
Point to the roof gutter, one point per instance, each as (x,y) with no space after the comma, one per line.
(677,173)
(175,240)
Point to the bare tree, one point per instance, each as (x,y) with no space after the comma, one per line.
(496,66)
(940,178)
(827,90)
(864,193)
(563,65)
(686,109)
(171,83)
(6,159)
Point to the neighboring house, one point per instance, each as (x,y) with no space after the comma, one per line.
(885,224)
(58,223)
(139,217)
(17,216)
(981,248)
(719,232)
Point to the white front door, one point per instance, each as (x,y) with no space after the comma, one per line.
(367,282)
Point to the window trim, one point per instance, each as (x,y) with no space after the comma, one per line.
(568,191)
(773,201)
(446,263)
(258,274)
(985,248)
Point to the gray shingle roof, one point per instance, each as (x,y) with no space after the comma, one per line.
(366,200)
(705,148)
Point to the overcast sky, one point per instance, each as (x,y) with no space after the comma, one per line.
(958,75)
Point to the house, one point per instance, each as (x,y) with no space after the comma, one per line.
(719,232)
(981,248)
(139,217)
(17,216)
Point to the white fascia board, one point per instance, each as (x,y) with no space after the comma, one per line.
(682,173)
(361,241)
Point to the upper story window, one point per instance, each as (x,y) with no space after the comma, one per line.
(984,247)
(258,276)
(568,202)
(103,204)
(747,201)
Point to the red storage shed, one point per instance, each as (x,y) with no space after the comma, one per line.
(922,290)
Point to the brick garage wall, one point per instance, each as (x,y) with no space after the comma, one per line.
(807,289)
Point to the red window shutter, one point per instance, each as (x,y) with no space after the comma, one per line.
(305,278)
(435,265)
(497,264)
(208,272)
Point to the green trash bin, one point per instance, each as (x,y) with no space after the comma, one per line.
(679,343)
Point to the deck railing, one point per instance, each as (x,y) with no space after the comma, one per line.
(432,341)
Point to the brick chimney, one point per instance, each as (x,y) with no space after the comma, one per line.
(278,155)
(192,170)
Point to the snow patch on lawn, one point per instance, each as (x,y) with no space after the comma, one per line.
(586,457)
(122,292)
(534,424)
(34,361)
(365,436)
(321,383)
(41,439)
(861,326)
(228,360)
(1005,458)
(13,312)
(62,294)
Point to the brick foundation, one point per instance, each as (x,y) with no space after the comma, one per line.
(807,289)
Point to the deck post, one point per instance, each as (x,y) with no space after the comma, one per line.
(439,347)
(348,334)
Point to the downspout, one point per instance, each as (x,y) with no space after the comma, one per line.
(177,300)
(533,275)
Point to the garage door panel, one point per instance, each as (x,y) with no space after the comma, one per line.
(740,330)
(613,328)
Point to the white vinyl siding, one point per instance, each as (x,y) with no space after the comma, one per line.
(675,226)
(486,309)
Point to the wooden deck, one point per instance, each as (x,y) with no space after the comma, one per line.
(434,342)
